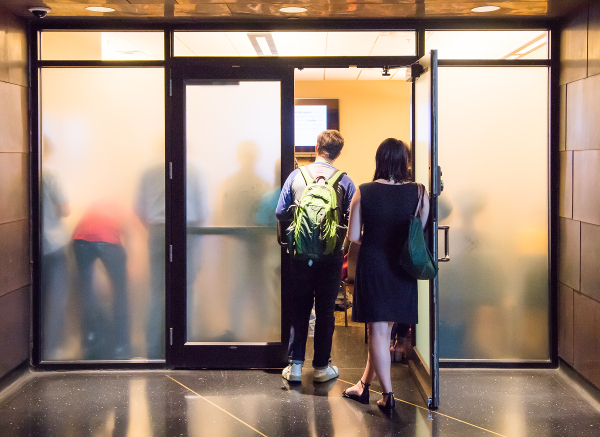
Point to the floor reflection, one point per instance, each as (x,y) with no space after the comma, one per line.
(261,403)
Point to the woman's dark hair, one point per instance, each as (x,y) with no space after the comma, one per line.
(391,161)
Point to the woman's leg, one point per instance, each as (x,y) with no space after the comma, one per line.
(378,361)
(379,354)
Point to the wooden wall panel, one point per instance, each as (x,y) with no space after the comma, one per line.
(13,50)
(586,337)
(583,113)
(573,49)
(565,195)
(586,185)
(569,252)
(590,260)
(14,256)
(565,323)
(13,118)
(594,39)
(14,329)
(13,187)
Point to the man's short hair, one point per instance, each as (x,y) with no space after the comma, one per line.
(330,144)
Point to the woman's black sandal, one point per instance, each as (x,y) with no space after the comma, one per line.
(390,404)
(363,398)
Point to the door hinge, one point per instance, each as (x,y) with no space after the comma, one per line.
(171,336)
(170,253)
(170,170)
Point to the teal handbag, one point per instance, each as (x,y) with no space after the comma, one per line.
(415,257)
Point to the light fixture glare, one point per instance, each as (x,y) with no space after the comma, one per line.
(486,9)
(292,10)
(99,9)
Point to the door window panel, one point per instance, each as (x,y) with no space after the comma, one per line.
(233,144)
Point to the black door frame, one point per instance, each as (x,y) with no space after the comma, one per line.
(236,355)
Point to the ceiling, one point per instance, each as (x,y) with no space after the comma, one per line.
(269,9)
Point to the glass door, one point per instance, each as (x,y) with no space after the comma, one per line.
(233,139)
(424,360)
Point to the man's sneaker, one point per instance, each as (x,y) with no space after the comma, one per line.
(323,374)
(293,372)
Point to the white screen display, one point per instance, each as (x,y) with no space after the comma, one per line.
(310,121)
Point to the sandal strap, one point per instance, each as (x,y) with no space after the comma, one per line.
(364,384)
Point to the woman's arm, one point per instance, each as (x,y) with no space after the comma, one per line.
(355,220)
(425,209)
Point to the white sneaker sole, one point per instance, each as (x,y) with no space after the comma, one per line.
(324,378)
(292,378)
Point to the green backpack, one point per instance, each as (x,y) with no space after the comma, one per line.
(314,232)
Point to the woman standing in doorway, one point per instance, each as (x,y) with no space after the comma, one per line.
(383,292)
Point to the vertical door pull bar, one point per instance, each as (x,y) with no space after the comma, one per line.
(446,257)
(171,336)
(170,170)
(170,253)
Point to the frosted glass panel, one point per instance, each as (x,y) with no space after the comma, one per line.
(488,44)
(365,43)
(101,46)
(493,152)
(233,140)
(102,213)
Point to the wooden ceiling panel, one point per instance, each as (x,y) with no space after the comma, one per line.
(202,10)
(367,9)
(345,10)
(121,10)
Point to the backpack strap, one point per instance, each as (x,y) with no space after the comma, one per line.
(333,179)
(306,175)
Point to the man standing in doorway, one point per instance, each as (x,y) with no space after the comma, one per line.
(315,281)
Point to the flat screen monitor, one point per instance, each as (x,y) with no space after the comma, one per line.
(313,116)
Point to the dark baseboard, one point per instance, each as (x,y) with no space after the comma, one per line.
(483,364)
(575,377)
(14,380)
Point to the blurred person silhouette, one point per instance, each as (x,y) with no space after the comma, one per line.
(150,208)
(272,252)
(238,205)
(98,236)
(383,292)
(315,281)
(55,274)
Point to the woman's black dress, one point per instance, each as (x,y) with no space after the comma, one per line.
(383,291)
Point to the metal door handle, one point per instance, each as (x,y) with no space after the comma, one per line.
(446,257)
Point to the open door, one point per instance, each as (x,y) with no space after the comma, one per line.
(233,139)
(424,358)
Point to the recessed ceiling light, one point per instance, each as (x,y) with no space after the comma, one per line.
(292,10)
(485,9)
(99,9)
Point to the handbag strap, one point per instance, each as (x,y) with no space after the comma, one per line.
(420,192)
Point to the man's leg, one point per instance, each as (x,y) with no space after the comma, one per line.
(302,302)
(115,262)
(327,284)
(91,313)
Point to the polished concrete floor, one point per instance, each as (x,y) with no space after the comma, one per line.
(260,402)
